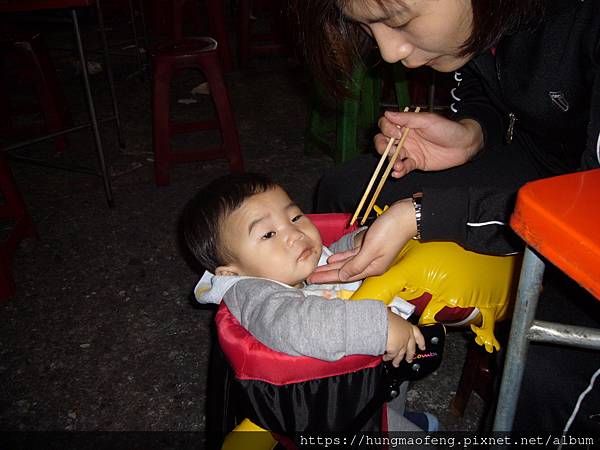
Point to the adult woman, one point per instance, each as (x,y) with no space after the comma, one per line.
(524,109)
(527,105)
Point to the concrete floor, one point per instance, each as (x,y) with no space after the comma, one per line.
(102,333)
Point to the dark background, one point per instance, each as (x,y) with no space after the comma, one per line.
(103,333)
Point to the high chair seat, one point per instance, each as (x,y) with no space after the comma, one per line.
(260,363)
(291,394)
(558,219)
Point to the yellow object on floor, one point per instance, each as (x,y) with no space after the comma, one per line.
(249,436)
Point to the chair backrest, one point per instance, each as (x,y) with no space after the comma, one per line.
(332,226)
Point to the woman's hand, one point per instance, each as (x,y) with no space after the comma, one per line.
(381,244)
(434,142)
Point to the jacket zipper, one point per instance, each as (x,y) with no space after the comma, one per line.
(512,118)
(510,131)
(558,98)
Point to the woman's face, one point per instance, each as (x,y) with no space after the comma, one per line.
(417,32)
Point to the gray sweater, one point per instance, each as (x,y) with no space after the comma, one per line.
(297,322)
(287,320)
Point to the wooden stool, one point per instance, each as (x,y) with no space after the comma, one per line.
(14,210)
(194,53)
(558,219)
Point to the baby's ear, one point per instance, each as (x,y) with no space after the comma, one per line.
(226,271)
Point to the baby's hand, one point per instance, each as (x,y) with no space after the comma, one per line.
(403,338)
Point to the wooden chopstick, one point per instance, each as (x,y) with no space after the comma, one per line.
(372,180)
(387,170)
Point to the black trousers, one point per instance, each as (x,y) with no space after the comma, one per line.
(554,375)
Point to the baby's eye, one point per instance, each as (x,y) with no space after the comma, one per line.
(268,235)
(296,218)
(401,26)
(398,23)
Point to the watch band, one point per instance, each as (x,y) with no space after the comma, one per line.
(416,200)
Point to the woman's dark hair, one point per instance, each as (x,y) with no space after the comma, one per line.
(203,215)
(332,44)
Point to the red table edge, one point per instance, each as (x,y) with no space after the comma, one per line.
(529,220)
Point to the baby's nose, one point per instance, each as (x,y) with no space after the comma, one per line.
(294,236)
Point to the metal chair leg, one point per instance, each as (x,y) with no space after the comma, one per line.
(136,41)
(92,111)
(530,285)
(109,75)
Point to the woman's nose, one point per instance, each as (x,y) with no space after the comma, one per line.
(392,43)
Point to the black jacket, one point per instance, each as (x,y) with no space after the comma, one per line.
(548,80)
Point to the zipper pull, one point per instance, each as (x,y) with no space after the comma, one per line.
(511,127)
(558,98)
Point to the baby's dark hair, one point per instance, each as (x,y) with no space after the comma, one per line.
(204,214)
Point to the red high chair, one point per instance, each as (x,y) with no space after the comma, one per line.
(558,219)
(288,395)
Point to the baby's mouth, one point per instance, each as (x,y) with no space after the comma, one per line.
(306,253)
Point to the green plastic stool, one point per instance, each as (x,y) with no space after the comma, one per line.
(360,110)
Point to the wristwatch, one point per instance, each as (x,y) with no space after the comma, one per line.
(416,200)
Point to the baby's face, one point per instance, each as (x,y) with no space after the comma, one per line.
(270,237)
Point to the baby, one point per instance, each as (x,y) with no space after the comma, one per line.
(259,248)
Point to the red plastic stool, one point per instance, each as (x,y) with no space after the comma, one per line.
(196,53)
(28,62)
(477,376)
(271,42)
(12,209)
(169,17)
